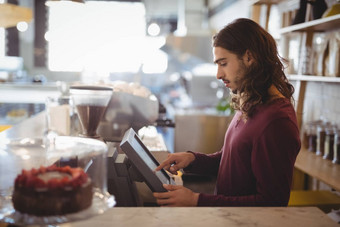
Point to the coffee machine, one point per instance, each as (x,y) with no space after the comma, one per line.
(91,102)
(125,111)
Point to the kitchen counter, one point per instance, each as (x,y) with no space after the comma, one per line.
(209,216)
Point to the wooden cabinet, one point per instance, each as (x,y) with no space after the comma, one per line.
(307,162)
(308,29)
(306,32)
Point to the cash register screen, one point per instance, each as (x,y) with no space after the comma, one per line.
(144,161)
(144,154)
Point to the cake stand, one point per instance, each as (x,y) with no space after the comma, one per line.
(100,203)
(28,153)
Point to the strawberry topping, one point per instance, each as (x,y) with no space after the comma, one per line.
(70,177)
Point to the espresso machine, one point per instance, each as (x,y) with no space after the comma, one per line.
(90,102)
(125,111)
(121,111)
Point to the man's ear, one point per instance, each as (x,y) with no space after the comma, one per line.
(248,58)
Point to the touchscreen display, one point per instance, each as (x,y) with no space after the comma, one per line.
(145,155)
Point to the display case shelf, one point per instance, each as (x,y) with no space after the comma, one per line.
(28,92)
(319,25)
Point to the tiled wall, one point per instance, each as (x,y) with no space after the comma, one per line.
(322,100)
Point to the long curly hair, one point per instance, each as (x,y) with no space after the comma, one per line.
(268,68)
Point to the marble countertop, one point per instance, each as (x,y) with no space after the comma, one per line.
(209,216)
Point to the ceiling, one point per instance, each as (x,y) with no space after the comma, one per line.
(184,16)
(166,9)
(172,11)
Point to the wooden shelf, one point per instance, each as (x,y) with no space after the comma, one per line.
(260,2)
(314,78)
(319,25)
(319,168)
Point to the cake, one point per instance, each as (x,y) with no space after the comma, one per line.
(52,191)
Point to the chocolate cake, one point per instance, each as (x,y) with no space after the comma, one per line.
(52,191)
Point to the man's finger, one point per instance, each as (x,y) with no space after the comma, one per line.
(165,202)
(171,187)
(161,166)
(166,164)
(173,169)
(161,195)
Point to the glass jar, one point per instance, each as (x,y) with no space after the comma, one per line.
(336,147)
(329,142)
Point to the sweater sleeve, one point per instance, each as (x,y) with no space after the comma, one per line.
(205,164)
(272,159)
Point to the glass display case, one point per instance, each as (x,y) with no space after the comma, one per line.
(13,113)
(51,178)
(19,101)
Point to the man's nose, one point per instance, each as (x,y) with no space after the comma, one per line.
(219,74)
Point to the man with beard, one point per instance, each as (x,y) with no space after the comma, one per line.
(255,165)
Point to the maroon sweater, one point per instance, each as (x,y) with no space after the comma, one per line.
(255,164)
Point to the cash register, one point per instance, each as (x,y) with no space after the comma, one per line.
(132,162)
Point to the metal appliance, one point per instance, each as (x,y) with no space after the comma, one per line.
(91,103)
(126,111)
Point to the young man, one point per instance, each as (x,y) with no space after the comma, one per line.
(255,164)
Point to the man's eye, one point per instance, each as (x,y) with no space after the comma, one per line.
(223,64)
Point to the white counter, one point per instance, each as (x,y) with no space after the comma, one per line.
(209,217)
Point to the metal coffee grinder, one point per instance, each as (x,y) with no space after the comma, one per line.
(91,102)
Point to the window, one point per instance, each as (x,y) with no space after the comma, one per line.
(100,36)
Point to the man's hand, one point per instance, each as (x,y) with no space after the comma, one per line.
(176,161)
(176,196)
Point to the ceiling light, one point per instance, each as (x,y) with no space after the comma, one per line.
(22,26)
(154,29)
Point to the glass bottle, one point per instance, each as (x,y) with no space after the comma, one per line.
(320,139)
(329,142)
(336,147)
(312,137)
(305,134)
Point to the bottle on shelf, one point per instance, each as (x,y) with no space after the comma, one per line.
(329,142)
(336,147)
(309,135)
(320,138)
